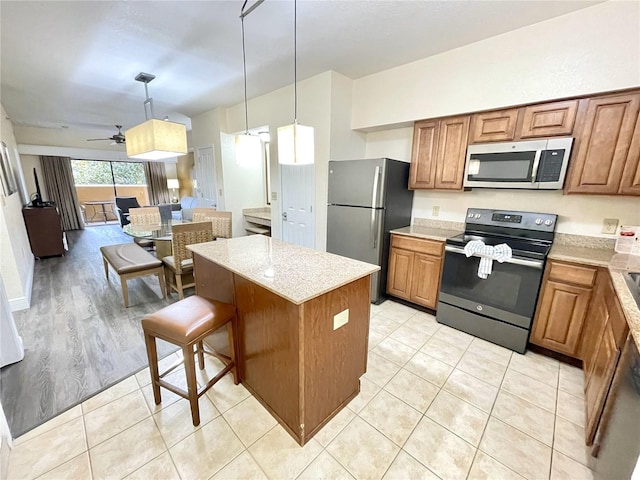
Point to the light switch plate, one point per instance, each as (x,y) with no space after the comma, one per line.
(274,196)
(341,319)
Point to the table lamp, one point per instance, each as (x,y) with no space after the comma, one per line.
(173,185)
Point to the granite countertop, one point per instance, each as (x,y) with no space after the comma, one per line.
(261,215)
(299,273)
(422,231)
(597,257)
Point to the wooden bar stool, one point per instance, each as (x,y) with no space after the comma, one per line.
(186,323)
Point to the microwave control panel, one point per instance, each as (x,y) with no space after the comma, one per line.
(550,166)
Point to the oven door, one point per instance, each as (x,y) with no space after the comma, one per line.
(508,294)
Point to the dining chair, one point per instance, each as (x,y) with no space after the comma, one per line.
(220,221)
(179,266)
(144,216)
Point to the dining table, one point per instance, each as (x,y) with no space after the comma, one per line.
(160,233)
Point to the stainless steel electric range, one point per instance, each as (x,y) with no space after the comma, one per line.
(499,308)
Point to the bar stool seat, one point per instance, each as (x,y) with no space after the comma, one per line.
(186,323)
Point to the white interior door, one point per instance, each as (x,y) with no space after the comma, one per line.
(298,193)
(206,175)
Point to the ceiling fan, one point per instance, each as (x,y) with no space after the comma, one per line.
(118,138)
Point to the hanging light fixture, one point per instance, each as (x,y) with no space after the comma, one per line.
(295,141)
(248,147)
(155,139)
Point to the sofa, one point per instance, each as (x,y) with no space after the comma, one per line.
(187,204)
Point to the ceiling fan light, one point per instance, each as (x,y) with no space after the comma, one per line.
(156,140)
(248,150)
(295,145)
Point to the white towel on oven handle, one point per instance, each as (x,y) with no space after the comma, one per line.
(487,255)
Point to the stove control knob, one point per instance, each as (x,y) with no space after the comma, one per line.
(477,215)
(548,223)
(470,215)
(538,221)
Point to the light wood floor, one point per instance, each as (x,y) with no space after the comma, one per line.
(78,337)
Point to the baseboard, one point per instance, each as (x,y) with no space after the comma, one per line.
(24,302)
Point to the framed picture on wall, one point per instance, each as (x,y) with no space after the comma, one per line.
(7,178)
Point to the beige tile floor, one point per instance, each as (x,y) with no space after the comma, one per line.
(435,403)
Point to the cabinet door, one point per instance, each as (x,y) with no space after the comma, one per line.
(497,126)
(602,144)
(425,280)
(630,184)
(423,157)
(400,271)
(452,148)
(549,119)
(605,360)
(560,318)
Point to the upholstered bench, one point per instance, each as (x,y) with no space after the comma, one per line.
(129,260)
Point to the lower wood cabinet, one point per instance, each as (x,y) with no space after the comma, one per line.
(603,340)
(579,315)
(562,307)
(415,267)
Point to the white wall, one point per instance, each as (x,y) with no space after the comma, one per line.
(584,52)
(591,50)
(16,260)
(244,184)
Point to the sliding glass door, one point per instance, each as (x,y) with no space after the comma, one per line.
(99,182)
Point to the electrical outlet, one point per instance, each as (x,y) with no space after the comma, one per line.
(341,319)
(610,225)
(435,211)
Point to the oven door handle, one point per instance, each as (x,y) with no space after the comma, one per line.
(514,260)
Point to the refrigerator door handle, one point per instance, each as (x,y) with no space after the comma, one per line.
(374,198)
(374,191)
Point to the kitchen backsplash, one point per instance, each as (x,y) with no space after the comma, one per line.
(444,224)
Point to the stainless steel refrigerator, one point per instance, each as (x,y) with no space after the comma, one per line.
(367,199)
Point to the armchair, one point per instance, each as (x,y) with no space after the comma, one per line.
(187,204)
(123,204)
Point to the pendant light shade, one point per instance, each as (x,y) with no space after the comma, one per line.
(295,145)
(155,139)
(248,150)
(248,147)
(295,141)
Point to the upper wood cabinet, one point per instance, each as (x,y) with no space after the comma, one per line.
(498,126)
(422,173)
(439,148)
(548,119)
(602,148)
(630,184)
(605,157)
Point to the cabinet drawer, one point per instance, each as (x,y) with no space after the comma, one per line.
(430,247)
(578,275)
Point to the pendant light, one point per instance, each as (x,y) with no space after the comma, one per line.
(295,141)
(155,139)
(248,147)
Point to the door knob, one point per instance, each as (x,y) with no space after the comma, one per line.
(284,215)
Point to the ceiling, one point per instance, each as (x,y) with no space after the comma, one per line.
(70,65)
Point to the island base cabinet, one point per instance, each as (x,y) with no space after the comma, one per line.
(299,361)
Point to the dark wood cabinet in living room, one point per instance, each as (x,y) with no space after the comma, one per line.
(44,230)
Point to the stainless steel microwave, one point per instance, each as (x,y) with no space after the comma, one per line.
(531,164)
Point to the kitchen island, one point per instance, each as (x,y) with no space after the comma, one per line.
(303,324)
